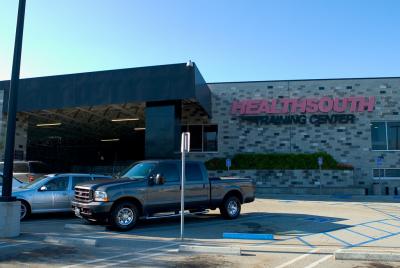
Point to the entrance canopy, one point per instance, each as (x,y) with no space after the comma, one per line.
(145,84)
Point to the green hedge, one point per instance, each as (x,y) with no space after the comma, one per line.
(277,161)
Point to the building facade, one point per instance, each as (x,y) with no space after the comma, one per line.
(355,120)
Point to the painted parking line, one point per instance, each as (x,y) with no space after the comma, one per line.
(318,262)
(118,256)
(133,259)
(337,239)
(297,259)
(375,228)
(361,234)
(394,225)
(21,244)
(376,239)
(383,212)
(305,242)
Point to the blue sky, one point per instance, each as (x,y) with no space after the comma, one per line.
(229,40)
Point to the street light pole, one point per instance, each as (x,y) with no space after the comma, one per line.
(12,107)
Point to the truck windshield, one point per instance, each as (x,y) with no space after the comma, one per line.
(139,171)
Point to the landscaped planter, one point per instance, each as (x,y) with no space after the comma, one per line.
(293,178)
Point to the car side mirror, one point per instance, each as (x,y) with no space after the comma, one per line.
(43,188)
(159,179)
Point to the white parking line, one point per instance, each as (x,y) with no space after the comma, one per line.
(133,259)
(20,244)
(297,259)
(118,256)
(319,261)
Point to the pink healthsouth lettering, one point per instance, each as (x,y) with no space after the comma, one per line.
(303,105)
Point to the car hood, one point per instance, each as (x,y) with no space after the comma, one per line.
(109,183)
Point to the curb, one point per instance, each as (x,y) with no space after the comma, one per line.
(389,256)
(64,241)
(210,250)
(83,227)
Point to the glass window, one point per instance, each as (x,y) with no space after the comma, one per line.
(378,173)
(202,138)
(21,168)
(378,136)
(1,180)
(57,184)
(392,173)
(193,172)
(210,138)
(138,171)
(77,180)
(196,143)
(169,171)
(393,129)
(37,167)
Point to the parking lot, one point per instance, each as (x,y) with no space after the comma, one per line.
(307,231)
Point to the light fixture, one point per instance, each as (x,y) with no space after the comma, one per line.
(110,140)
(48,124)
(139,128)
(124,119)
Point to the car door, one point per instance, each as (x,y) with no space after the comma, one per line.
(76,180)
(197,187)
(59,187)
(164,197)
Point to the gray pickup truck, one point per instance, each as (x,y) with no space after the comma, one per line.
(149,188)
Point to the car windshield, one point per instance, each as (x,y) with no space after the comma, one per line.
(138,171)
(35,183)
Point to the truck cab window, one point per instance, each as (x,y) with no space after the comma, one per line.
(193,172)
(168,170)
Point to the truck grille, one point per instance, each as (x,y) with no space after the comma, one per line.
(83,194)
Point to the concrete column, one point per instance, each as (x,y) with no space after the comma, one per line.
(10,213)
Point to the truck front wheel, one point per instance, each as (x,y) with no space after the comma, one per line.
(230,208)
(124,216)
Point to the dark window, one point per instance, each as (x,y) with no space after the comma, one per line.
(202,138)
(196,143)
(1,180)
(393,129)
(378,136)
(77,180)
(21,168)
(168,170)
(37,167)
(57,184)
(392,173)
(193,172)
(210,138)
(378,173)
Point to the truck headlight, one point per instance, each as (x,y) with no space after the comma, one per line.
(100,196)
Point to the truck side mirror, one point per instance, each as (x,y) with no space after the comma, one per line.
(159,179)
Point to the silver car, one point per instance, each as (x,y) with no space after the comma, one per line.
(51,193)
(15,183)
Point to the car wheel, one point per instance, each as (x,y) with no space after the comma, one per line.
(25,210)
(230,208)
(124,216)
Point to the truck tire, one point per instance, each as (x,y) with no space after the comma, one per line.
(124,216)
(230,208)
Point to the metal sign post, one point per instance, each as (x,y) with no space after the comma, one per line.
(228,163)
(320,162)
(185,148)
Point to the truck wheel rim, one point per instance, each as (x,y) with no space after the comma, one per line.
(233,208)
(125,216)
(23,211)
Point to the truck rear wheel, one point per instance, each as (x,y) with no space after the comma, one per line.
(230,208)
(124,216)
